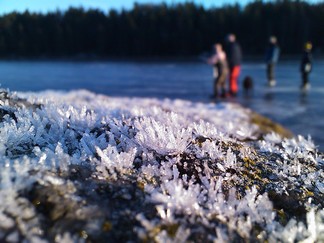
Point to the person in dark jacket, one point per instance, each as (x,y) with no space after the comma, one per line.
(271,58)
(306,65)
(220,70)
(234,57)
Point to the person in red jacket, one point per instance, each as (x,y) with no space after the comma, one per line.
(234,57)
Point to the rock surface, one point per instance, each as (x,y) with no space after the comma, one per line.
(80,167)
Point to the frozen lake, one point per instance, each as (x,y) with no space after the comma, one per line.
(300,112)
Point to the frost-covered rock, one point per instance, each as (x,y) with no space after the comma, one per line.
(81,167)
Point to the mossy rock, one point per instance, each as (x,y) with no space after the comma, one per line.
(266,125)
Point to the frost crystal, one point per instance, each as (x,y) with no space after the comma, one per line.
(81,167)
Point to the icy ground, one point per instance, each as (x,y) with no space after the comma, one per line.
(81,167)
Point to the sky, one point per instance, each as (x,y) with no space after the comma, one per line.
(7,6)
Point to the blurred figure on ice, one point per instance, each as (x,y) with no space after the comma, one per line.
(220,70)
(271,58)
(306,65)
(234,55)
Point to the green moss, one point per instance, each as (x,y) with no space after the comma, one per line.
(266,125)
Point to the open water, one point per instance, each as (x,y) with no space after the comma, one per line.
(301,112)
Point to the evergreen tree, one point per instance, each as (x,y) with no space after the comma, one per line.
(160,30)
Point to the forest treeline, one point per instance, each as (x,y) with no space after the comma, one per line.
(161,30)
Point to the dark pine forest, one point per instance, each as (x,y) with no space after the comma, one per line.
(160,30)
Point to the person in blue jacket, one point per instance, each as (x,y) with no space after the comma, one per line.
(271,58)
(306,65)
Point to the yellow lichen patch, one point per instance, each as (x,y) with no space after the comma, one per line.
(307,193)
(146,180)
(141,185)
(106,226)
(171,229)
(282,216)
(248,162)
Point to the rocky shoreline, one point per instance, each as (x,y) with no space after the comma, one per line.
(81,167)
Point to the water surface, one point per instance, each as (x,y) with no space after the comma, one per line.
(300,112)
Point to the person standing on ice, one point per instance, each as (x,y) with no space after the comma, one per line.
(234,55)
(220,70)
(306,65)
(271,58)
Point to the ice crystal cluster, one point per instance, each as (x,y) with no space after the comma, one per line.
(81,167)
